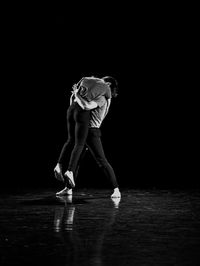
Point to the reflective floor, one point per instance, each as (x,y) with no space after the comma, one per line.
(145,227)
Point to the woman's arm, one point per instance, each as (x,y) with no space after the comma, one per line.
(71,99)
(74,88)
(85,104)
(74,95)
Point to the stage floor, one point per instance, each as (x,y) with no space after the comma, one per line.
(146,227)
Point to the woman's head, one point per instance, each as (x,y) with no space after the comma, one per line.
(113,85)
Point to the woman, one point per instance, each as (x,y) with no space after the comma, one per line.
(85,97)
(93,141)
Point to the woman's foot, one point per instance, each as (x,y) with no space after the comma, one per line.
(58,172)
(70,179)
(116,193)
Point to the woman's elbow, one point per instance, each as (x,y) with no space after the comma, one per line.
(90,107)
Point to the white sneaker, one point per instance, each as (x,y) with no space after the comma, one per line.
(58,173)
(70,178)
(116,193)
(64,192)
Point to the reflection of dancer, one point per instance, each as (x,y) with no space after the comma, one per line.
(82,247)
(85,96)
(93,141)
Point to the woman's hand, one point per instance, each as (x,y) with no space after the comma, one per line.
(74,89)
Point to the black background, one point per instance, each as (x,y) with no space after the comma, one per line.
(149,134)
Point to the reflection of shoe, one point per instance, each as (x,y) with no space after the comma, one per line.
(58,218)
(66,191)
(116,193)
(58,173)
(65,198)
(116,202)
(70,179)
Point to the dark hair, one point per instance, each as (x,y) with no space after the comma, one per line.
(113,85)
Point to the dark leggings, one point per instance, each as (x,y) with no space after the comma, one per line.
(77,128)
(94,144)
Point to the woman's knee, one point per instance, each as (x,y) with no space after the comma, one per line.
(70,141)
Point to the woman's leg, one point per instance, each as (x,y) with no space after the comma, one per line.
(82,118)
(68,145)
